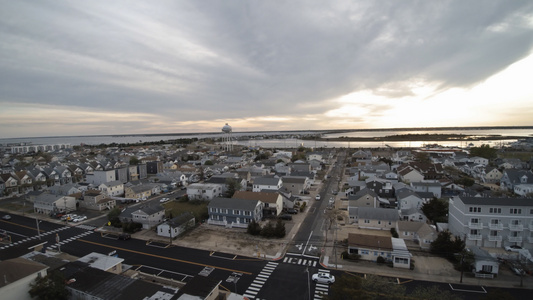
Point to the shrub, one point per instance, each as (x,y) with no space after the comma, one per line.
(393,232)
(253,228)
(380,260)
(350,256)
(302,207)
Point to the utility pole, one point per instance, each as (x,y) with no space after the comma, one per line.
(38,230)
(58,244)
(308,284)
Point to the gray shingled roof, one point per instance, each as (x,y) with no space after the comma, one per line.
(372,213)
(233,203)
(497,201)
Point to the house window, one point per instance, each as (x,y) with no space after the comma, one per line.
(474,209)
(515,211)
(474,221)
(247,213)
(367,221)
(364,252)
(236,212)
(379,222)
(495,210)
(487,268)
(400,260)
(531,211)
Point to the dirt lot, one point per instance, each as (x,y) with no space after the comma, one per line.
(228,240)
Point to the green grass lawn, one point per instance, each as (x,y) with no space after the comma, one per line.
(197,208)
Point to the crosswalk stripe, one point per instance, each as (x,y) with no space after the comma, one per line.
(255,284)
(254,288)
(323,271)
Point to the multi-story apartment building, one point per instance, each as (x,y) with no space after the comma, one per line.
(492,222)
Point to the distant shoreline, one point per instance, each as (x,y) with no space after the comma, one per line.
(327,131)
(418,137)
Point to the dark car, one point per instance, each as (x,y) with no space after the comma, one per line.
(286,217)
(292,211)
(124,236)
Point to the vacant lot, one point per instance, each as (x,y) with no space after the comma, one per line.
(197,208)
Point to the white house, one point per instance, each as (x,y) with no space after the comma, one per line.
(176,226)
(203,191)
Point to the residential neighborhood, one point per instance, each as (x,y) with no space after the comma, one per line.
(375,200)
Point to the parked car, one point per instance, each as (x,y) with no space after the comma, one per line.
(317,197)
(292,211)
(322,277)
(513,248)
(71,218)
(58,215)
(124,236)
(6,217)
(286,217)
(79,219)
(163,200)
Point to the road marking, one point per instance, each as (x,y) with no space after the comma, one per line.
(309,238)
(165,257)
(482,291)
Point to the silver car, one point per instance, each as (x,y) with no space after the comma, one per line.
(322,277)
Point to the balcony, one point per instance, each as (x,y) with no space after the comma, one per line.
(474,237)
(495,238)
(516,227)
(515,239)
(475,225)
(497,226)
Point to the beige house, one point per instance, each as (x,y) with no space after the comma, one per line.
(140,192)
(17,274)
(493,175)
(95,200)
(420,233)
(410,174)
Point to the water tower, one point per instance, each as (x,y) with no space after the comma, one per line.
(226,139)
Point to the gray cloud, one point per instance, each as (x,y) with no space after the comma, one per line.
(234,59)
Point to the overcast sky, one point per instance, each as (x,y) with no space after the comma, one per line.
(127,67)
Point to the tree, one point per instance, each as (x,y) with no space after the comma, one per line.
(208,163)
(446,247)
(233,185)
(49,287)
(466,181)
(436,210)
(268,230)
(279,230)
(113,217)
(134,160)
(484,151)
(422,157)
